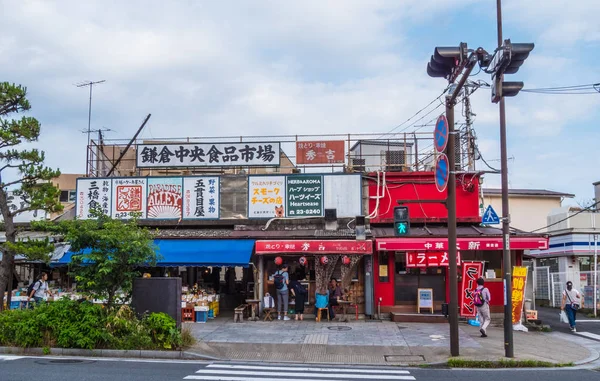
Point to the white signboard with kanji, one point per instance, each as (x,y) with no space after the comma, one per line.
(201,197)
(93,193)
(266,196)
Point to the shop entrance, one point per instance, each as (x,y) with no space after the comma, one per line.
(408,280)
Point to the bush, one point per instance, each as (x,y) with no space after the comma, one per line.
(72,324)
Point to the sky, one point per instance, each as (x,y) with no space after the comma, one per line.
(230,68)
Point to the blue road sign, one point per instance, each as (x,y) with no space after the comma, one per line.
(490,217)
(440,134)
(442,172)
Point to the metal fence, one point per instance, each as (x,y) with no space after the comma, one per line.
(364,152)
(550,287)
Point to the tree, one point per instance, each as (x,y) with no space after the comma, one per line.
(107,253)
(31,183)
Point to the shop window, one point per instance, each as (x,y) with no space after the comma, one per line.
(552,263)
(68,195)
(384,274)
(492,260)
(585,264)
(400,263)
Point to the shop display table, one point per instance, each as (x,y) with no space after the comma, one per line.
(253,308)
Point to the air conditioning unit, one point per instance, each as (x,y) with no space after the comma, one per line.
(358,164)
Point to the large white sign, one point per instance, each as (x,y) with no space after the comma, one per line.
(129,197)
(201,197)
(207,155)
(266,196)
(93,194)
(347,202)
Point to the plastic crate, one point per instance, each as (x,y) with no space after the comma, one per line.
(201,316)
(15,305)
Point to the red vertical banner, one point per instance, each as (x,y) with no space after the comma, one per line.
(471,271)
(519,280)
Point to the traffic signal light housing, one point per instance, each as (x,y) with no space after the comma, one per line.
(505,89)
(401,221)
(445,60)
(508,60)
(518,54)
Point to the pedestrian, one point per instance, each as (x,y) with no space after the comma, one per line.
(300,293)
(39,289)
(481,300)
(335,294)
(571,302)
(281,280)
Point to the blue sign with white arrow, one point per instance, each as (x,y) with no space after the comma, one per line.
(490,217)
(440,134)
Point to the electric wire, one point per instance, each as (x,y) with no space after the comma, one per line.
(593,206)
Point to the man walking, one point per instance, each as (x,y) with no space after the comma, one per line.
(481,300)
(39,289)
(571,302)
(281,280)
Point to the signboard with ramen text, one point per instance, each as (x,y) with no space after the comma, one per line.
(207,155)
(201,197)
(129,197)
(93,193)
(165,195)
(266,196)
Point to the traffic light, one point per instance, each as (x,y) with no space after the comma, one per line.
(518,54)
(401,221)
(446,59)
(505,89)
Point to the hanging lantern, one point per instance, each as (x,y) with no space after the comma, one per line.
(324,260)
(278,261)
(303,261)
(346,260)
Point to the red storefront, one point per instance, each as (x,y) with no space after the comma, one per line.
(359,277)
(402,265)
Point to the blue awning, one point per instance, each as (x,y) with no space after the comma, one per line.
(195,252)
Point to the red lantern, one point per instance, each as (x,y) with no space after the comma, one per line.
(278,261)
(324,260)
(302,261)
(346,260)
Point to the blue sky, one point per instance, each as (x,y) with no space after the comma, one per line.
(283,67)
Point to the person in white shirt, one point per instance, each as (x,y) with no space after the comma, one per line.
(40,289)
(571,302)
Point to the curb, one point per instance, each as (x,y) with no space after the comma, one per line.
(114,353)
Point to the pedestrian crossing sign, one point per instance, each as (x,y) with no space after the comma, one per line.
(490,217)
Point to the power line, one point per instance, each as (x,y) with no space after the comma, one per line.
(570,216)
(417,113)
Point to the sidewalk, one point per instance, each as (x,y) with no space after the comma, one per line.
(360,342)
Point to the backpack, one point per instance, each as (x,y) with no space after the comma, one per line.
(478,299)
(300,289)
(30,288)
(278,280)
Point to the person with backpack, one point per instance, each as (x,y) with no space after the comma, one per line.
(300,293)
(571,302)
(281,280)
(481,300)
(38,289)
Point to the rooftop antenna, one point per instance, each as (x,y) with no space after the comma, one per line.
(91,85)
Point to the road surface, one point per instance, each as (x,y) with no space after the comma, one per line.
(15,368)
(588,328)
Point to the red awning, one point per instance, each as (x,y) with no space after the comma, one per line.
(477,243)
(314,247)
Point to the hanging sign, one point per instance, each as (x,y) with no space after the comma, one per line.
(304,196)
(201,197)
(471,272)
(429,259)
(519,281)
(129,197)
(93,194)
(207,155)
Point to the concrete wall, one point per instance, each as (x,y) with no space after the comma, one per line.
(526,213)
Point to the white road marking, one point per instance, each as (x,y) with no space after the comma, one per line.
(286,374)
(309,369)
(9,357)
(228,378)
(589,321)
(589,334)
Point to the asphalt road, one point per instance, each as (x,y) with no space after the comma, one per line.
(61,369)
(588,328)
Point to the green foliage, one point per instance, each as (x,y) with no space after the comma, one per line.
(30,189)
(108,253)
(466,363)
(73,324)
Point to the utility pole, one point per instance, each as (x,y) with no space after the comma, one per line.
(506,257)
(91,85)
(468,136)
